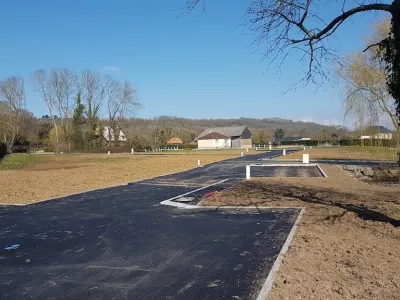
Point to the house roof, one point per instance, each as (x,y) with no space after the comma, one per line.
(226,131)
(213,135)
(174,141)
(377,129)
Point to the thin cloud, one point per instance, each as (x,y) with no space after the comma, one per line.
(112,68)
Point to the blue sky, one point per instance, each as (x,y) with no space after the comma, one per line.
(198,66)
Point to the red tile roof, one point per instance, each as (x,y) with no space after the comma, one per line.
(174,141)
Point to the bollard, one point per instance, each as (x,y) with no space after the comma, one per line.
(198,162)
(256,148)
(310,147)
(241,153)
(132,150)
(247,149)
(284,152)
(306,158)
(247,172)
(108,153)
(270,146)
(304,149)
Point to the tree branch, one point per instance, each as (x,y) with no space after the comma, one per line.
(344,16)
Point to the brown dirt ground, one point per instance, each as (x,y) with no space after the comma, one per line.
(335,254)
(57,175)
(358,153)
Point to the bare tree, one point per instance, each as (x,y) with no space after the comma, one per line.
(57,89)
(366,94)
(42,84)
(63,82)
(121,103)
(12,93)
(283,26)
(92,95)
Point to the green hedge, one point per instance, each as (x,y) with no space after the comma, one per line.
(304,143)
(355,142)
(3,149)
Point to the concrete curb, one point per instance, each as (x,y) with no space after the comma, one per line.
(292,165)
(267,287)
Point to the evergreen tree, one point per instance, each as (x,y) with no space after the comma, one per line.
(279,133)
(77,124)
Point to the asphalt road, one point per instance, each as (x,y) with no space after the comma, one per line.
(120,243)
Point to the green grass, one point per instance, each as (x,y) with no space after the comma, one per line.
(17,161)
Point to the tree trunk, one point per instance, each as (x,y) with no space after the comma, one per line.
(395,86)
(56,130)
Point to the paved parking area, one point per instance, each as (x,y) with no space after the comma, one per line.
(120,243)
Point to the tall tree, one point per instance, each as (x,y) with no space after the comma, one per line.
(12,93)
(77,122)
(367,98)
(121,102)
(92,92)
(63,82)
(42,84)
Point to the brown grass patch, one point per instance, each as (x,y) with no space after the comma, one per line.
(51,176)
(336,254)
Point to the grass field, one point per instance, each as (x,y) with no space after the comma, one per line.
(348,153)
(29,178)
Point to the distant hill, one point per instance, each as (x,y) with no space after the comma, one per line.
(187,128)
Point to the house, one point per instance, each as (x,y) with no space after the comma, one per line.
(229,137)
(108,131)
(377,133)
(174,143)
(214,140)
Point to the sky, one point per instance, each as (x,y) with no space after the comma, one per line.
(198,66)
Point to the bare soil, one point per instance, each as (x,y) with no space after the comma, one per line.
(348,243)
(50,176)
(347,153)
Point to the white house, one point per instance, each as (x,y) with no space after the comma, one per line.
(239,136)
(108,131)
(214,140)
(377,133)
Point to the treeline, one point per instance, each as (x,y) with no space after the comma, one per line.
(78,107)
(390,143)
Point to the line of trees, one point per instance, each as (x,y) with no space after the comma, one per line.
(78,106)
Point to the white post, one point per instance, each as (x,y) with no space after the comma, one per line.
(241,153)
(132,150)
(198,162)
(304,149)
(108,153)
(256,148)
(247,149)
(247,172)
(284,152)
(310,147)
(306,158)
(270,146)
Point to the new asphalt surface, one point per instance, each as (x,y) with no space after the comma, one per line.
(120,243)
